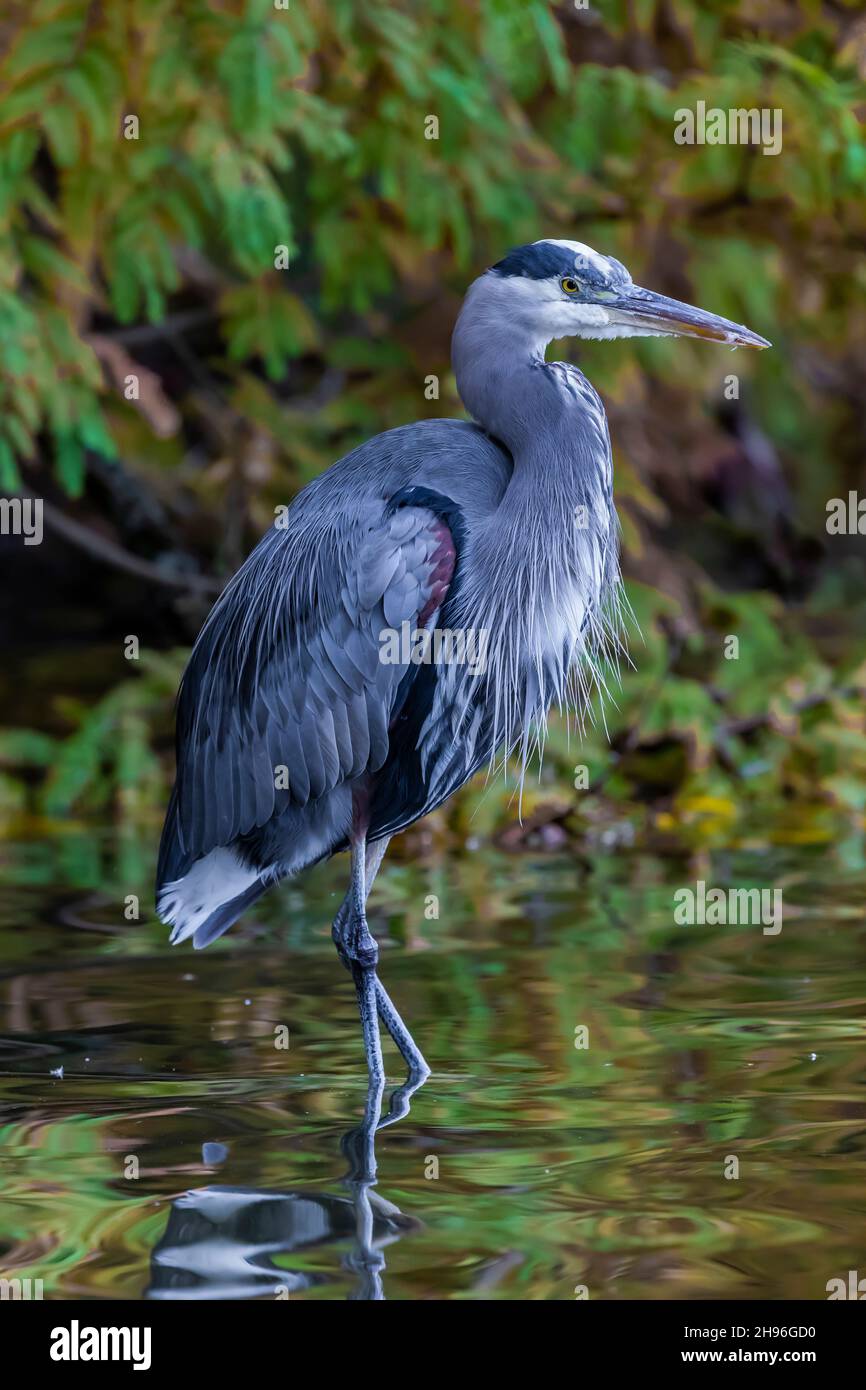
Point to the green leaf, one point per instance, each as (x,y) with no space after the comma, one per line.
(69,462)
(10,478)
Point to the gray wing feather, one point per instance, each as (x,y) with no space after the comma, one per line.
(287,674)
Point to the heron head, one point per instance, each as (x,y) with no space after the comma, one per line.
(563,289)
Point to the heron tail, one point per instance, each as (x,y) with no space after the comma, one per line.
(205,901)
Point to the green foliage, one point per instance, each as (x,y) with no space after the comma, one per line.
(103,758)
(304,127)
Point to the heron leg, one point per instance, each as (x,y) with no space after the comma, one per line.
(409,1050)
(359,952)
(403,1040)
(389,1015)
(356,944)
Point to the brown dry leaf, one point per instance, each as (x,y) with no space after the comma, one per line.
(158,410)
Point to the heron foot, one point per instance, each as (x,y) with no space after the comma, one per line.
(365,988)
(359,952)
(406,1044)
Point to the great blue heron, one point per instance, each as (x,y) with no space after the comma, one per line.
(418,608)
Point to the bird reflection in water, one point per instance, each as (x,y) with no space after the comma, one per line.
(221,1242)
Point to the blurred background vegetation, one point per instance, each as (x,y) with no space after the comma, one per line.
(146,248)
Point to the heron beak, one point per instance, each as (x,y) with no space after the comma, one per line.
(651,313)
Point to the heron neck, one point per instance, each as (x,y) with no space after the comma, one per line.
(546,414)
(498,357)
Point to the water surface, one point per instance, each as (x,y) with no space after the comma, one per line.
(181,1152)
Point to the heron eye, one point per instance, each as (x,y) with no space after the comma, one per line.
(570,286)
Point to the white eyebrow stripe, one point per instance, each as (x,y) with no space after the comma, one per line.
(579,249)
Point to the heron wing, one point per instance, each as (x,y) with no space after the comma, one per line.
(289,690)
